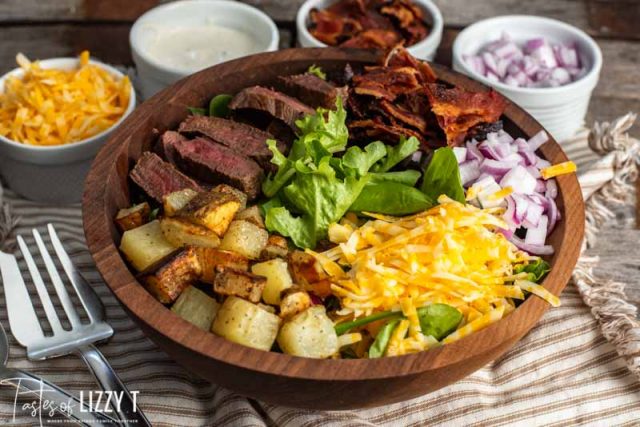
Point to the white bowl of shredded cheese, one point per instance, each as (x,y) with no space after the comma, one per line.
(54,173)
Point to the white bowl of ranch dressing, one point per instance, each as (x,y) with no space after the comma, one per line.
(180,38)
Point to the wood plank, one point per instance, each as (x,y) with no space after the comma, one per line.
(73,10)
(460,13)
(617,18)
(107,42)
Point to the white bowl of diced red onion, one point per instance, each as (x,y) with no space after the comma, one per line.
(546,66)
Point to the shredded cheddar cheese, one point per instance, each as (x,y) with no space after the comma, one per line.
(53,107)
(559,169)
(450,254)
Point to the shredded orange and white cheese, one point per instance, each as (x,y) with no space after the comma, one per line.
(450,254)
(559,169)
(54,107)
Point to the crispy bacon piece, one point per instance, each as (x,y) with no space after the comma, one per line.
(332,28)
(458,110)
(374,39)
(401,114)
(386,82)
(376,129)
(369,23)
(400,57)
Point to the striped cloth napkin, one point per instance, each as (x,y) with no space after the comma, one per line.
(564,372)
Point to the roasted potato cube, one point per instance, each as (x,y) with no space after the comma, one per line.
(196,307)
(180,233)
(305,269)
(133,217)
(245,238)
(211,258)
(213,210)
(239,283)
(293,303)
(227,189)
(252,215)
(309,334)
(245,323)
(277,247)
(145,245)
(321,288)
(278,279)
(177,200)
(168,281)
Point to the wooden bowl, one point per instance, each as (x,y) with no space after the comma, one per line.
(280,378)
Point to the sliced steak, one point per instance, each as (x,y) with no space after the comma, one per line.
(165,145)
(158,178)
(241,138)
(277,104)
(213,163)
(312,90)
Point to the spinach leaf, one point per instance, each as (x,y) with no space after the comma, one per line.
(397,153)
(443,176)
(536,269)
(391,198)
(344,327)
(317,71)
(383,337)
(361,161)
(438,320)
(197,111)
(219,105)
(409,177)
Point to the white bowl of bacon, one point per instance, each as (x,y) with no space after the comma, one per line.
(546,66)
(421,31)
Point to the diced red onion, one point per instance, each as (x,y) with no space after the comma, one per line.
(552,189)
(469,171)
(532,249)
(537,140)
(473,153)
(537,63)
(537,235)
(520,180)
(554,215)
(460,153)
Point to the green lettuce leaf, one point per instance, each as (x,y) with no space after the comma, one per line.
(397,153)
(320,197)
(361,161)
(443,176)
(317,71)
(536,269)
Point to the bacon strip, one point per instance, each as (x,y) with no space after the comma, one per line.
(458,110)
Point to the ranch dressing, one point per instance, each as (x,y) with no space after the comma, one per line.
(190,49)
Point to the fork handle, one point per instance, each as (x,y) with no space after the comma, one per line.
(130,413)
(52,396)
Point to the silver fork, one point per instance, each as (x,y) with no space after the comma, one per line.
(80,338)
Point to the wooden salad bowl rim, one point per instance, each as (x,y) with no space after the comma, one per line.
(106,191)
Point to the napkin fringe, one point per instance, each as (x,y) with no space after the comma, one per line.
(606,298)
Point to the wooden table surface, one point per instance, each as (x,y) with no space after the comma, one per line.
(44,29)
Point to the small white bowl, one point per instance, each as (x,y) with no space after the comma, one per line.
(424,49)
(561,110)
(153,75)
(53,174)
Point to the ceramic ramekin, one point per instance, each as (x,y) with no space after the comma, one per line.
(424,49)
(561,110)
(53,174)
(154,76)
